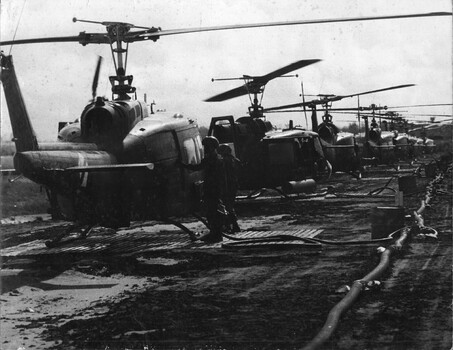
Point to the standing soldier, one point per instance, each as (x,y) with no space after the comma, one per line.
(213,187)
(231,165)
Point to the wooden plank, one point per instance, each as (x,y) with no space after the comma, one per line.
(141,242)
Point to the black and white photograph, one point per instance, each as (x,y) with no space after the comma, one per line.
(226,174)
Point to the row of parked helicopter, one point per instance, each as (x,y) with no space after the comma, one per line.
(118,161)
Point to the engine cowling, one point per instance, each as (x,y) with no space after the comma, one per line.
(106,123)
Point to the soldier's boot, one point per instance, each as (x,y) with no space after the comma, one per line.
(234,223)
(212,237)
(236,227)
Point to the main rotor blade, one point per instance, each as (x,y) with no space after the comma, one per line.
(358,109)
(300,104)
(376,116)
(289,23)
(156,33)
(260,81)
(373,91)
(336,110)
(57,39)
(236,92)
(284,70)
(428,105)
(96,78)
(332,99)
(430,115)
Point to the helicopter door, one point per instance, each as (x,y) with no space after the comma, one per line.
(223,128)
(192,153)
(193,150)
(154,191)
(309,155)
(281,160)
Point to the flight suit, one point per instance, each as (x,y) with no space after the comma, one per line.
(213,191)
(231,167)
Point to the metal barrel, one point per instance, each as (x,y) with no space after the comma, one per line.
(430,169)
(407,184)
(304,186)
(385,220)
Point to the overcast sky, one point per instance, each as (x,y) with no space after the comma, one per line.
(176,71)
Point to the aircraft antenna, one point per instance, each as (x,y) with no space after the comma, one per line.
(17,27)
(303,100)
(358,111)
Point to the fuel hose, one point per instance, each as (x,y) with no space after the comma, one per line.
(359,285)
(356,288)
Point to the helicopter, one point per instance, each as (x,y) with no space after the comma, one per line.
(124,168)
(418,141)
(440,132)
(388,140)
(342,149)
(287,160)
(433,131)
(123,165)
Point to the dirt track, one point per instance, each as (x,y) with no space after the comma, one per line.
(237,298)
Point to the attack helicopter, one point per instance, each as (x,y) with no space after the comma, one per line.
(124,163)
(341,149)
(287,160)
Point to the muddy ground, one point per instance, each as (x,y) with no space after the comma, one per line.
(233,297)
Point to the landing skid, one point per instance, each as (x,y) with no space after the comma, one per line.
(192,235)
(57,241)
(86,229)
(356,175)
(284,195)
(252,195)
(257,193)
(202,219)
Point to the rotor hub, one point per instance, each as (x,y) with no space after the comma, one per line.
(117,30)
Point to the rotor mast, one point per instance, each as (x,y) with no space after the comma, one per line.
(117,33)
(121,83)
(255,109)
(326,118)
